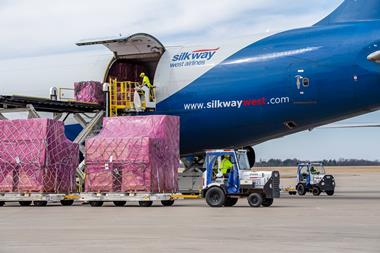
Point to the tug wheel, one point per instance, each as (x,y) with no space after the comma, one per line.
(267,202)
(215,197)
(2,203)
(301,190)
(316,191)
(255,200)
(330,193)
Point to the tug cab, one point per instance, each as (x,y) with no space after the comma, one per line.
(312,177)
(259,187)
(133,55)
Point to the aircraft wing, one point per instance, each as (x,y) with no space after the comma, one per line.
(358,125)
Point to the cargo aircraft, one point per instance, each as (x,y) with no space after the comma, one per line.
(242,93)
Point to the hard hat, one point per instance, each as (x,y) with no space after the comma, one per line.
(142,74)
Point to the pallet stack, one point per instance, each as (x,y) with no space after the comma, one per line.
(134,154)
(89,92)
(35,156)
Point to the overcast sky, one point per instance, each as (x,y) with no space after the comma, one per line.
(46,27)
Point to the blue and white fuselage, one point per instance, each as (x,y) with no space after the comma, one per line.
(232,95)
(239,95)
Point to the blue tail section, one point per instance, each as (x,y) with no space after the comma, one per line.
(352,11)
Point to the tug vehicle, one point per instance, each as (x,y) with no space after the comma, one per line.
(260,187)
(311,177)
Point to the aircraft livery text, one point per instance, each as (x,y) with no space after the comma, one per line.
(196,57)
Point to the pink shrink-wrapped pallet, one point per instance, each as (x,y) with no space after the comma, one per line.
(89,92)
(134,154)
(36,156)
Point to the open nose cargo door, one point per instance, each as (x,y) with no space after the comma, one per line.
(133,55)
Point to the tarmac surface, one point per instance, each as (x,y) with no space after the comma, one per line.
(346,222)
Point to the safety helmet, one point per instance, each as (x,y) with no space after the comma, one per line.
(142,74)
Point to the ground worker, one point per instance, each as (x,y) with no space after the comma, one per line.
(313,171)
(226,165)
(146,82)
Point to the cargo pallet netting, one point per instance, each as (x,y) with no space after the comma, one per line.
(127,159)
(35,151)
(36,157)
(133,159)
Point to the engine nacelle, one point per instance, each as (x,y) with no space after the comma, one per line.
(251,155)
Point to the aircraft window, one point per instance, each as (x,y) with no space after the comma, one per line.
(306,82)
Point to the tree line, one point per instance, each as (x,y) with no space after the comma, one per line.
(331,162)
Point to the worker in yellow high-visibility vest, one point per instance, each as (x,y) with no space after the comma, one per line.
(146,82)
(226,165)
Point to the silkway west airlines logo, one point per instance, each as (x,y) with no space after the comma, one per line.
(193,58)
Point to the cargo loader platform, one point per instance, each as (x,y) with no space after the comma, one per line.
(88,115)
(7,103)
